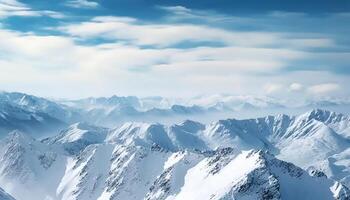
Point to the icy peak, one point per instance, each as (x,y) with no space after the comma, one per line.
(77,136)
(323,115)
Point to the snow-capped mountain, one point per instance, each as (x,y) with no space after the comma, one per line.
(34,123)
(112,171)
(29,169)
(40,105)
(117,110)
(226,159)
(236,103)
(110,116)
(104,111)
(155,173)
(78,136)
(42,117)
(33,115)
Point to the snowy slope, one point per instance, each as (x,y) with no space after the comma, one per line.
(112,171)
(336,166)
(253,175)
(181,136)
(85,175)
(78,136)
(29,169)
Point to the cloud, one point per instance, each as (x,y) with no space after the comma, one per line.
(272,88)
(163,35)
(285,14)
(52,14)
(82,4)
(176,9)
(112,54)
(296,87)
(138,32)
(325,88)
(208,60)
(181,13)
(117,66)
(9,8)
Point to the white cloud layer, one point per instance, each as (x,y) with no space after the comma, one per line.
(137,57)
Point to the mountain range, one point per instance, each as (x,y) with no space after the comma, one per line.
(42,117)
(305,156)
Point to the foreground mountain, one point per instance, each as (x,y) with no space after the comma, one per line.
(142,173)
(29,168)
(226,159)
(321,134)
(114,171)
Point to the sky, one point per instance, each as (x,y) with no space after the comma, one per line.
(80,48)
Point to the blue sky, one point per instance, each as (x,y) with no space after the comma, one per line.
(78,48)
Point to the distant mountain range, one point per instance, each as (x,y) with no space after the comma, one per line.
(43,117)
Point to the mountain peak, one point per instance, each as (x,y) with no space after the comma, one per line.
(19,137)
(77,136)
(191,126)
(318,111)
(83,126)
(324,116)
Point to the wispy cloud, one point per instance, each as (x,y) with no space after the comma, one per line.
(180,13)
(325,88)
(10,8)
(82,4)
(163,35)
